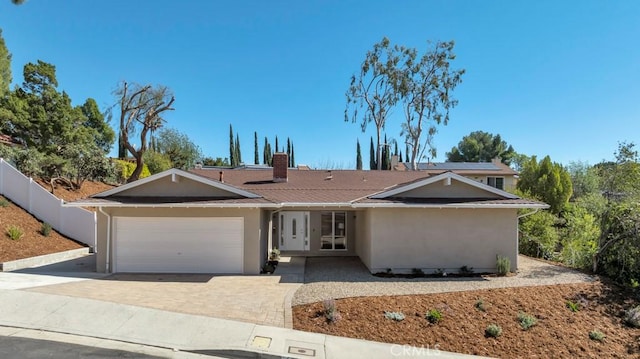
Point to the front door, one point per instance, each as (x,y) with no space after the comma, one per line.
(294,231)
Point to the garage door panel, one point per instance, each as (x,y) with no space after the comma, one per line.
(179,245)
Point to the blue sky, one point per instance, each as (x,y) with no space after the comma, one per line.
(558,78)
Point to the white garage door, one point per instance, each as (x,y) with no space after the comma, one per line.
(178,245)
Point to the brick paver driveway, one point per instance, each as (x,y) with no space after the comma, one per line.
(260,299)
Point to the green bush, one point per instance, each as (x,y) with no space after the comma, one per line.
(45,230)
(14,232)
(480,305)
(632,317)
(396,316)
(573,306)
(596,335)
(124,170)
(434,316)
(526,321)
(493,330)
(503,265)
(417,272)
(4,202)
(465,270)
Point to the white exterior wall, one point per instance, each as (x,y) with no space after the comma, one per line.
(363,237)
(431,239)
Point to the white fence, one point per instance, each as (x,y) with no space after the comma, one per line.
(75,223)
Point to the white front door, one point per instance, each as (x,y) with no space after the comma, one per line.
(294,231)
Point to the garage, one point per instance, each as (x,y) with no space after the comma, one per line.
(178,245)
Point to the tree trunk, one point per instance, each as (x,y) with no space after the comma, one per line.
(136,172)
(378,152)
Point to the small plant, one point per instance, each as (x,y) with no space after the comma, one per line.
(396,316)
(441,272)
(274,255)
(632,317)
(331,311)
(596,335)
(573,306)
(503,265)
(3,202)
(526,321)
(417,272)
(14,232)
(465,270)
(45,230)
(388,271)
(480,305)
(434,316)
(493,331)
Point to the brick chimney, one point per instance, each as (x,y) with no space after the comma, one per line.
(280,167)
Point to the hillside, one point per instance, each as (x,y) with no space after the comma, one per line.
(33,242)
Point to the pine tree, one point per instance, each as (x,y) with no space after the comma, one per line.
(232,149)
(372,157)
(237,151)
(256,156)
(358,156)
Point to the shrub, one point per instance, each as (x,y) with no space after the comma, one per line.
(493,330)
(573,306)
(441,272)
(596,335)
(417,272)
(480,305)
(465,270)
(503,265)
(274,255)
(14,232)
(434,316)
(526,321)
(45,230)
(331,311)
(396,316)
(124,170)
(632,317)
(3,202)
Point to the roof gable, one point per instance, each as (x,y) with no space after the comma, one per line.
(176,183)
(445,185)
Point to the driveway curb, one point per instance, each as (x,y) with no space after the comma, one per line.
(43,259)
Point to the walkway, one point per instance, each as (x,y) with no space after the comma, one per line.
(341,277)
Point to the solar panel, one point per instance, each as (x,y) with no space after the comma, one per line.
(458,166)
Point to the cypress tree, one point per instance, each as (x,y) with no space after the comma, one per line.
(358,156)
(293,161)
(288,152)
(406,153)
(395,152)
(265,158)
(276,143)
(256,156)
(237,151)
(372,157)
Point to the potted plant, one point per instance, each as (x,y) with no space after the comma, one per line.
(274,257)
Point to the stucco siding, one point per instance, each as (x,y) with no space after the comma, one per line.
(431,239)
(363,237)
(252,230)
(184,187)
(456,189)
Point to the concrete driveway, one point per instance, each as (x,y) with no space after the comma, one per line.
(260,299)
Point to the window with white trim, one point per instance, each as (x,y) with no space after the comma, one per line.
(333,231)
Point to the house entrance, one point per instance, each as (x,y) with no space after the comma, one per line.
(294,231)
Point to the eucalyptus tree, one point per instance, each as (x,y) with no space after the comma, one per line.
(425,88)
(141,110)
(374,90)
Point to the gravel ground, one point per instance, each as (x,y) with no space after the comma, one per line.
(335,277)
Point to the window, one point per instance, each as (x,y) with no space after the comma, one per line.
(333,231)
(497,182)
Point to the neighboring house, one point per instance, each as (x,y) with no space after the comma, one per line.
(227,221)
(495,173)
(9,141)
